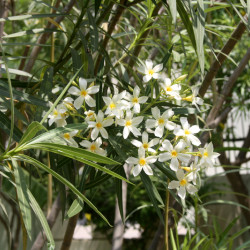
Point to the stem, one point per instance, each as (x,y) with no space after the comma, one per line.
(166,219)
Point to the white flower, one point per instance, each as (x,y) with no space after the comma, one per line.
(182,185)
(149,71)
(161,121)
(141,162)
(68,137)
(188,132)
(173,153)
(208,155)
(58,115)
(68,103)
(99,126)
(83,94)
(145,144)
(115,105)
(130,124)
(171,90)
(135,100)
(193,170)
(90,115)
(194,98)
(94,147)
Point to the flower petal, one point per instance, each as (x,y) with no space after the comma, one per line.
(174,164)
(191,189)
(93,89)
(164,157)
(78,102)
(90,101)
(82,83)
(182,192)
(158,67)
(173,184)
(147,78)
(136,170)
(147,169)
(74,90)
(149,64)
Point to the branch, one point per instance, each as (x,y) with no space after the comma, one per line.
(235,37)
(226,91)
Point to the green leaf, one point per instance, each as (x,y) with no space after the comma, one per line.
(78,154)
(63,180)
(39,213)
(30,32)
(199,31)
(23,97)
(5,125)
(172,6)
(185,20)
(119,192)
(5,218)
(152,193)
(50,135)
(172,239)
(224,234)
(33,16)
(23,197)
(31,131)
(97,5)
(75,208)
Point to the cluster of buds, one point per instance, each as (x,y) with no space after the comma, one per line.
(156,133)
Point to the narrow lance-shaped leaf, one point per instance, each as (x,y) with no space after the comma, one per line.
(152,193)
(23,198)
(34,162)
(75,208)
(31,131)
(39,213)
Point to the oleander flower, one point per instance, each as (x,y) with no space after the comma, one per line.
(176,154)
(94,146)
(99,125)
(142,162)
(149,71)
(161,121)
(188,132)
(83,94)
(183,184)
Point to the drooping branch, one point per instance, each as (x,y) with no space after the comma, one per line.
(226,91)
(235,37)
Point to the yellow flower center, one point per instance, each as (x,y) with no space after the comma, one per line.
(188,169)
(98,125)
(187,132)
(183,182)
(128,123)
(151,72)
(84,93)
(66,136)
(135,100)
(168,88)
(161,121)
(63,114)
(93,147)
(55,113)
(145,145)
(142,162)
(205,154)
(90,114)
(174,153)
(188,98)
(112,105)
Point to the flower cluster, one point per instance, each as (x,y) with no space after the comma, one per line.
(145,120)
